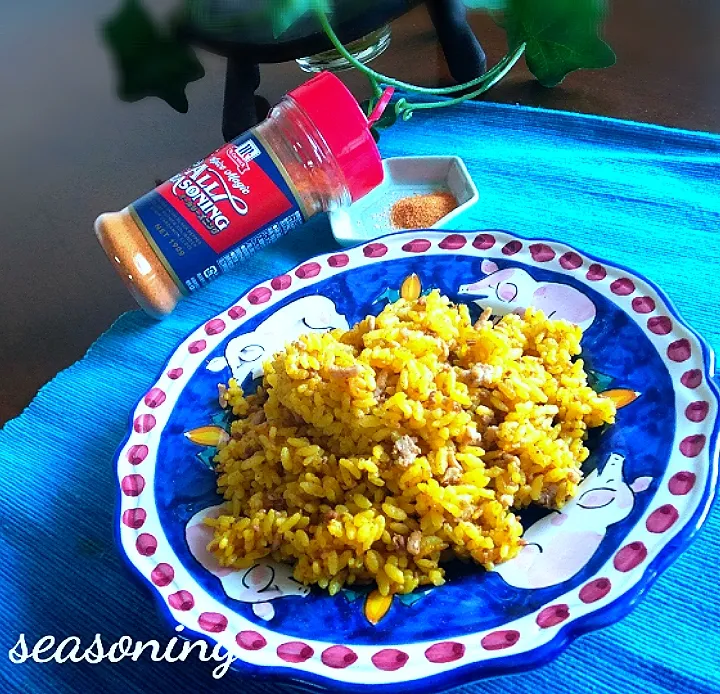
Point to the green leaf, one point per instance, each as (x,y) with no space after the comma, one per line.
(284,13)
(352,595)
(149,61)
(207,456)
(560,36)
(389,295)
(222,419)
(409,599)
(599,382)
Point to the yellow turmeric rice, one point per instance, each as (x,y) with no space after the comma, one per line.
(378,453)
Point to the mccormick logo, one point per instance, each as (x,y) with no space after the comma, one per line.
(242,154)
(210,195)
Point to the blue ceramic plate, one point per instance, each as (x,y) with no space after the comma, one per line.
(648,485)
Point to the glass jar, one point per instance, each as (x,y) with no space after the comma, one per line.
(363,49)
(313,153)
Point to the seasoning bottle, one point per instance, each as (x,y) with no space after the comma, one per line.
(313,153)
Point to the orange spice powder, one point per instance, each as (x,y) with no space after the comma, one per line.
(422,211)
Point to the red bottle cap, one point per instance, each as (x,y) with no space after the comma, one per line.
(345,129)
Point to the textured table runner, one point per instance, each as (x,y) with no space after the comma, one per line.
(638,195)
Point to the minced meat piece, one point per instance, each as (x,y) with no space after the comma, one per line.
(510,460)
(342,372)
(381,383)
(484,318)
(413,542)
(257,418)
(547,496)
(407,450)
(481,375)
(398,542)
(490,435)
(454,470)
(474,437)
(452,475)
(506,500)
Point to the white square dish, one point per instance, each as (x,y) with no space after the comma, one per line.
(369,217)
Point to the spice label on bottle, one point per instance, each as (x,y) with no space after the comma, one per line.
(216,213)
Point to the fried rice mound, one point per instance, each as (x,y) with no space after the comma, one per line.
(378,453)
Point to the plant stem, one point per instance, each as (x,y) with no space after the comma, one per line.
(500,70)
(489,78)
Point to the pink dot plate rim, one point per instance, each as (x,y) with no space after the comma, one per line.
(362,673)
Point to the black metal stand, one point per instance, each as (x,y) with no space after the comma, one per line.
(465,57)
(242,78)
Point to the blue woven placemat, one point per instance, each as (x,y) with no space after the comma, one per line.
(639,195)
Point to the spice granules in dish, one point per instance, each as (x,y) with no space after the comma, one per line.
(422,211)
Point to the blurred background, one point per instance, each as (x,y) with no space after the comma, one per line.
(70,149)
